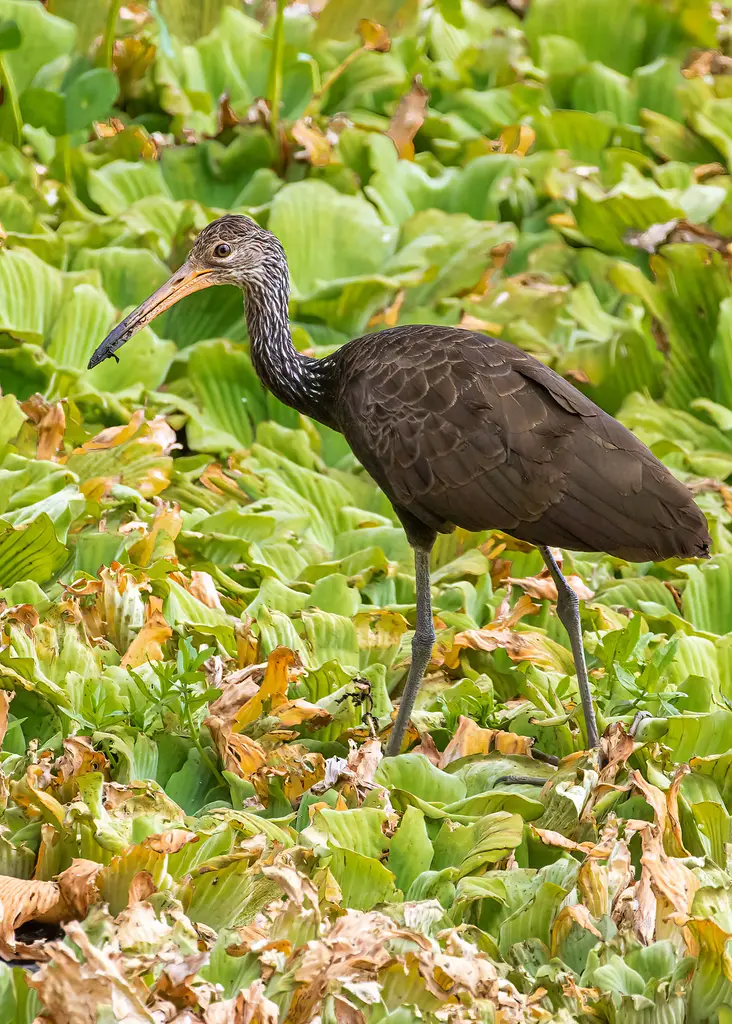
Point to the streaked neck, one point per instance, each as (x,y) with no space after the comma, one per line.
(297,380)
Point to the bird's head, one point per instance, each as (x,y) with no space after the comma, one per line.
(230,250)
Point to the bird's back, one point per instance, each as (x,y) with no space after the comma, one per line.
(464,430)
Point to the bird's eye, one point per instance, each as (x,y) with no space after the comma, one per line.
(221,250)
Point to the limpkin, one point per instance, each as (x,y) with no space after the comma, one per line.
(458,429)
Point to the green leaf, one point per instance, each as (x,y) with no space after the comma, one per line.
(30,294)
(90,97)
(410,851)
(707,601)
(359,829)
(10,37)
(226,893)
(415,774)
(363,881)
(30,552)
(359,246)
(129,276)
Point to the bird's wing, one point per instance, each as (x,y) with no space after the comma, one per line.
(466,430)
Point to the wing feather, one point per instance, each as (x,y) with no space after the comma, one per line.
(463,430)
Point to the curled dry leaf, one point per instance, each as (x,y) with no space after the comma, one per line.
(676,846)
(273,691)
(317,150)
(251,1006)
(77,886)
(543,588)
(175,984)
(363,762)
(23,900)
(565,921)
(50,423)
(428,748)
(225,115)
(517,138)
(293,882)
(236,689)
(239,754)
(616,746)
(147,645)
(79,758)
(168,521)
(171,841)
(524,646)
(665,880)
(113,437)
(551,838)
(6,697)
(141,888)
(72,989)
(469,738)
(203,588)
(25,615)
(408,119)
(374,36)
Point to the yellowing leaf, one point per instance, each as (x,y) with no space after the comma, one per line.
(408,119)
(147,645)
(469,739)
(50,423)
(167,521)
(374,36)
(317,148)
(113,437)
(519,646)
(273,691)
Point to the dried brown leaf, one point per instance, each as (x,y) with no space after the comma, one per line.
(408,119)
(251,1006)
(672,804)
(171,841)
(364,760)
(79,758)
(523,646)
(6,697)
(565,921)
(141,888)
(24,900)
(543,588)
(427,748)
(239,754)
(469,739)
(374,36)
(147,645)
(203,588)
(317,149)
(168,520)
(50,423)
(113,437)
(281,664)
(71,991)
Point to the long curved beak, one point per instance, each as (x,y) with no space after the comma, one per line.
(187,280)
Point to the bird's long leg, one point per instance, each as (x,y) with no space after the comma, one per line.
(422,643)
(568,612)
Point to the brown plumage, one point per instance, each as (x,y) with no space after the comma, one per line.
(458,429)
(463,430)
